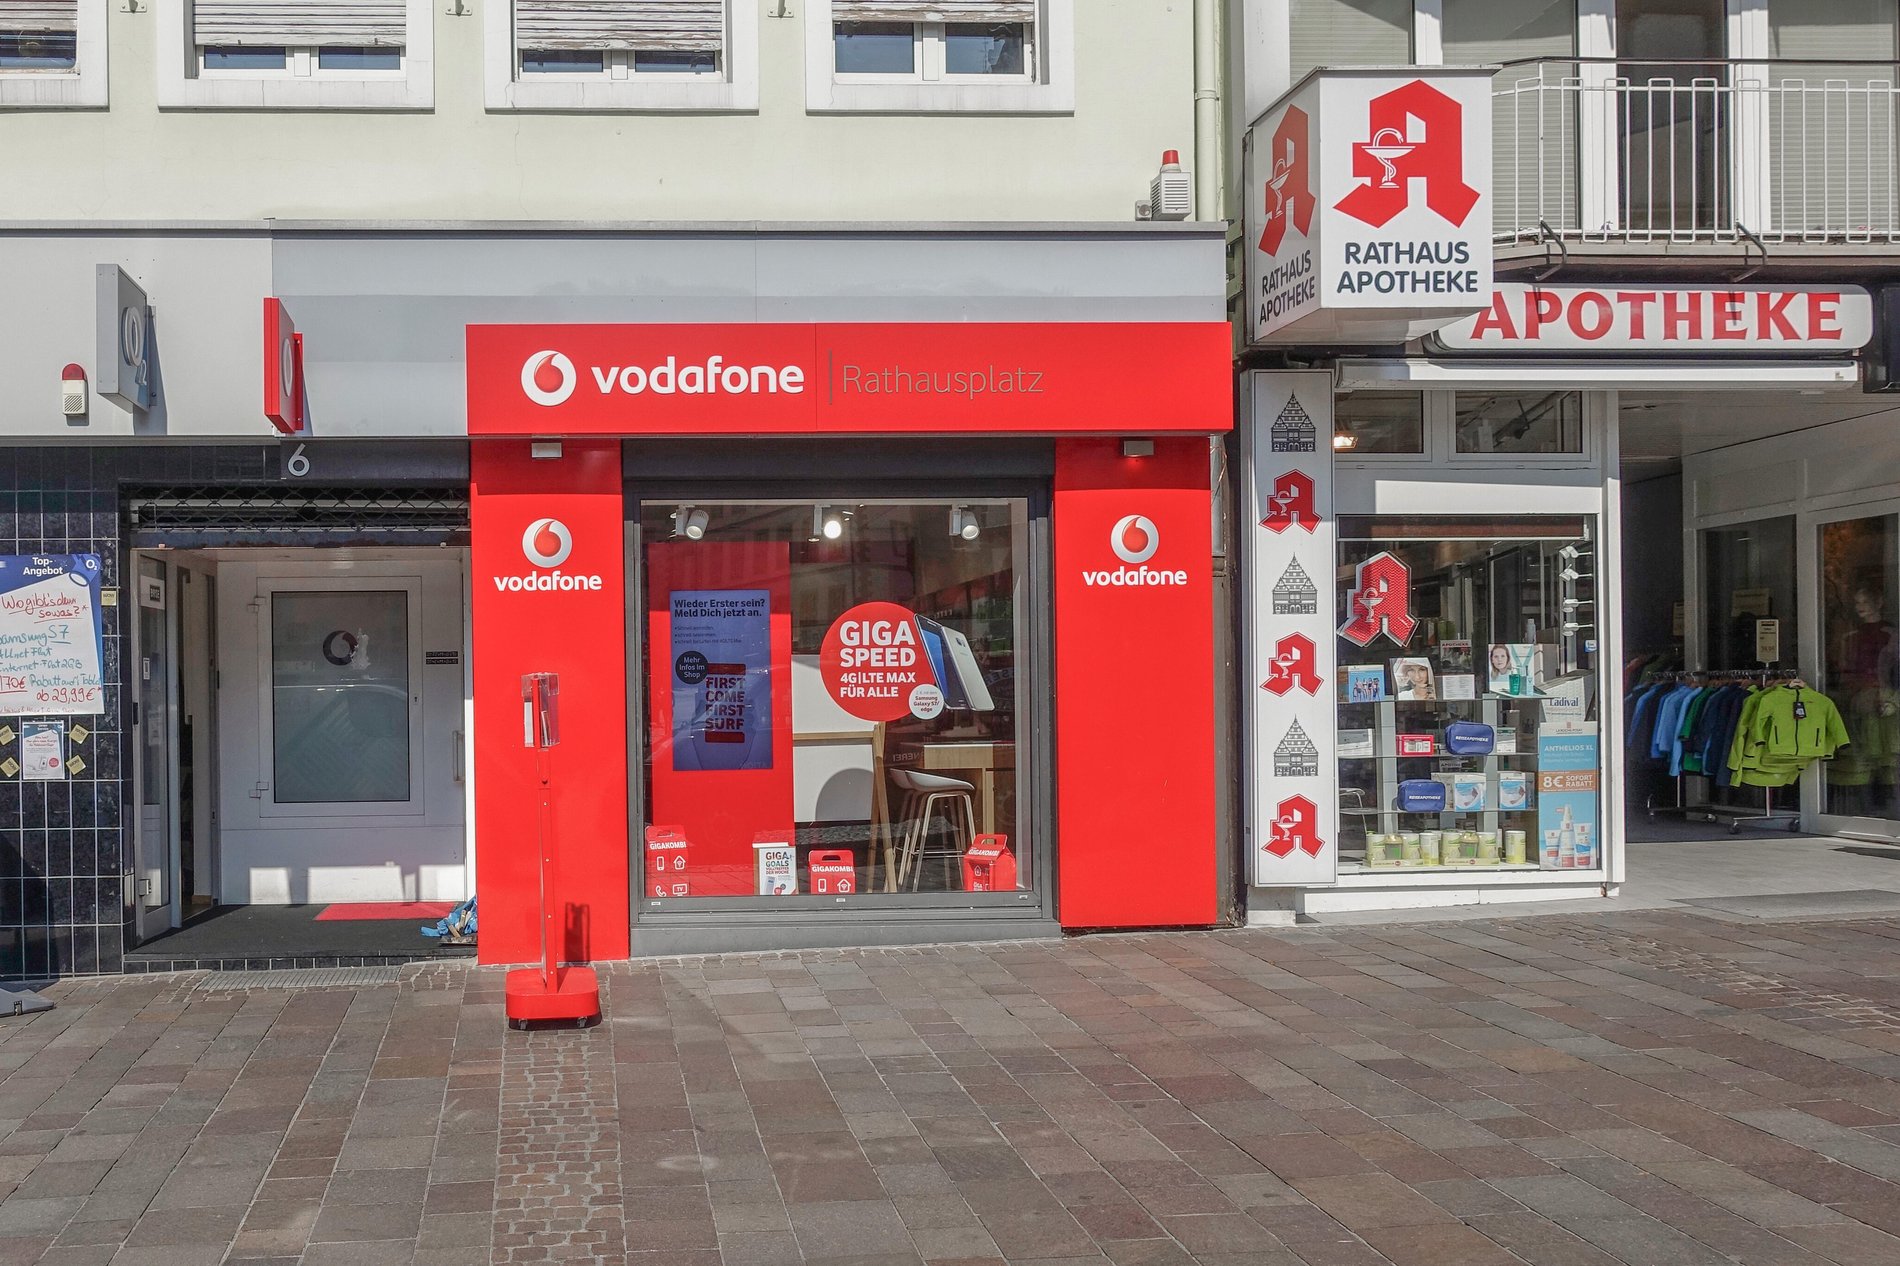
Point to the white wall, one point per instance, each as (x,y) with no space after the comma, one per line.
(1133,99)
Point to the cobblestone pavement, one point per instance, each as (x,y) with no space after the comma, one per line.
(1566,1091)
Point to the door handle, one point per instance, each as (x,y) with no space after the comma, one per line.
(460,756)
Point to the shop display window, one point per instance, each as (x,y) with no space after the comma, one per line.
(1375,422)
(831,700)
(1860,665)
(1468,692)
(1518,422)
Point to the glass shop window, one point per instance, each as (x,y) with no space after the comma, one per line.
(1468,696)
(1374,422)
(831,703)
(1519,422)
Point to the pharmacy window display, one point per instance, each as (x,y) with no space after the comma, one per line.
(1468,689)
(831,701)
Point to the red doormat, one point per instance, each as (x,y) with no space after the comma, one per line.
(428,911)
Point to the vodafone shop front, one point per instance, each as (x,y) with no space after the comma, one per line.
(863,633)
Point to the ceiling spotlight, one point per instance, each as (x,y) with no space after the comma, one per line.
(689,522)
(1571,627)
(826,523)
(963,523)
(1570,574)
(1344,443)
(1570,553)
(1571,604)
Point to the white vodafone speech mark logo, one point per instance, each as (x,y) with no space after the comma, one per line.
(1134,538)
(548,378)
(547,542)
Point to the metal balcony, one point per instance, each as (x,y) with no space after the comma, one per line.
(1653,153)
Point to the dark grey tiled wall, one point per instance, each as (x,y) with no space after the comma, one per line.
(62,907)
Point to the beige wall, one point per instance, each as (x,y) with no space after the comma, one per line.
(1134,98)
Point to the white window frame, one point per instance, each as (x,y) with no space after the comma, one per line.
(81,88)
(735,90)
(183,83)
(299,63)
(1049,90)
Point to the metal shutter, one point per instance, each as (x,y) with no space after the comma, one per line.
(1534,117)
(1831,128)
(1348,33)
(300,23)
(680,26)
(36,16)
(937,11)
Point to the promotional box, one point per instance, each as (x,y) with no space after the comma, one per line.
(776,864)
(833,871)
(666,863)
(988,865)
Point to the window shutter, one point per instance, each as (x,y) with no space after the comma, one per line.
(1534,107)
(37,16)
(933,10)
(675,26)
(1348,33)
(300,23)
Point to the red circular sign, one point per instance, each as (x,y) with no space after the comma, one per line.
(872,659)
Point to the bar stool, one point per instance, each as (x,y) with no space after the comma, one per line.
(922,793)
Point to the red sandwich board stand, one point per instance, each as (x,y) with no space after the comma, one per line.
(550,991)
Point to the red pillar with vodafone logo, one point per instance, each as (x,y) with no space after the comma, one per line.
(546,563)
(1134,701)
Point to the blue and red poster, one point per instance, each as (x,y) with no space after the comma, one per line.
(722,678)
(52,651)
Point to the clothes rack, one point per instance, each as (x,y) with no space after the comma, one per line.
(1734,815)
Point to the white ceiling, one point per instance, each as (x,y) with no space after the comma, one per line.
(1660,427)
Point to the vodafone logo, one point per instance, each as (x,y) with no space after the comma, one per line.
(1134,538)
(548,378)
(547,542)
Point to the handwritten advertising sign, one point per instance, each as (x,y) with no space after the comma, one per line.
(51,650)
(722,678)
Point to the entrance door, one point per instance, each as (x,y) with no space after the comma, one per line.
(153,831)
(1859,591)
(341,705)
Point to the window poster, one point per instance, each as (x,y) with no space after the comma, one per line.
(51,648)
(1567,780)
(722,678)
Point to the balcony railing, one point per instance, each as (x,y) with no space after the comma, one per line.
(1652,152)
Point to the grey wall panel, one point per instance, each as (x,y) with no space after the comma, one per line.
(206,293)
(383,313)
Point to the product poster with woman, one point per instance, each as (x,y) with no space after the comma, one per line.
(1412,680)
(1513,669)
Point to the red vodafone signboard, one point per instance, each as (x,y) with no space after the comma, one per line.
(1623,317)
(1369,206)
(1031,378)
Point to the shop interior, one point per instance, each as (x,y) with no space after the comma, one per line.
(1761,598)
(771,772)
(1441,746)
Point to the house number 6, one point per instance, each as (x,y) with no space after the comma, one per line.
(297,465)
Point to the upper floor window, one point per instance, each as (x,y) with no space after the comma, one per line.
(932,52)
(616,40)
(622,54)
(52,53)
(301,54)
(940,55)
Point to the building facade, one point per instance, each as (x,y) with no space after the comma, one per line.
(807,392)
(1588,301)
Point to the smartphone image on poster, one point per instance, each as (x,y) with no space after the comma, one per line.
(957,669)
